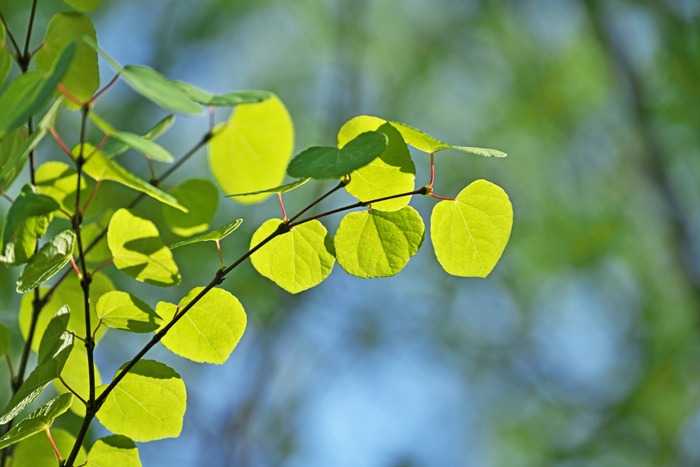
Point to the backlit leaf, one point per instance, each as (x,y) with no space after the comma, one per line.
(114,451)
(278,189)
(213,236)
(224,100)
(37,421)
(75,373)
(37,451)
(114,148)
(46,262)
(59,181)
(377,243)
(140,143)
(321,162)
(121,310)
(201,198)
(296,260)
(210,330)
(391,173)
(84,5)
(470,233)
(258,142)
(427,143)
(138,250)
(148,404)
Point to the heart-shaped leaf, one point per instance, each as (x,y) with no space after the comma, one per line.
(114,451)
(426,143)
(121,310)
(201,198)
(37,451)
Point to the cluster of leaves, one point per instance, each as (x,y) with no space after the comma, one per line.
(250,153)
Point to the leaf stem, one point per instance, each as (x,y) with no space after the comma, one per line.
(284,213)
(106,263)
(4,195)
(103,90)
(336,188)
(70,389)
(55,449)
(69,95)
(92,195)
(75,268)
(60,142)
(9,364)
(218,247)
(441,197)
(432,169)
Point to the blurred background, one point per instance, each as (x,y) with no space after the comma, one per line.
(582,348)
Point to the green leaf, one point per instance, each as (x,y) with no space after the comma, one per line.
(83,77)
(210,330)
(230,99)
(320,162)
(75,374)
(114,451)
(100,253)
(59,181)
(5,56)
(68,293)
(121,310)
(213,236)
(9,145)
(201,198)
(426,143)
(391,173)
(377,243)
(4,340)
(37,451)
(100,167)
(84,5)
(38,421)
(30,92)
(296,260)
(278,189)
(55,347)
(148,404)
(115,148)
(470,233)
(140,143)
(47,261)
(138,250)
(28,218)
(258,141)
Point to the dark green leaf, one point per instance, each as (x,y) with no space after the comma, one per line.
(279,189)
(213,236)
(224,100)
(47,261)
(114,148)
(37,421)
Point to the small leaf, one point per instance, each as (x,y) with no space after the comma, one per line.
(377,243)
(37,451)
(38,420)
(83,77)
(58,181)
(213,236)
(258,141)
(148,404)
(55,347)
(114,451)
(29,93)
(121,310)
(138,250)
(470,233)
(391,173)
(210,330)
(140,143)
(320,162)
(278,189)
(114,148)
(4,340)
(75,374)
(201,198)
(47,261)
(9,145)
(296,260)
(230,99)
(84,5)
(100,167)
(427,143)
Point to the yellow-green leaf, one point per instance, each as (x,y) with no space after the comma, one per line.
(121,310)
(426,143)
(114,451)
(46,262)
(59,181)
(37,451)
(201,198)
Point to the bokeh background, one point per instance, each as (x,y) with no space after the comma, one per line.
(582,348)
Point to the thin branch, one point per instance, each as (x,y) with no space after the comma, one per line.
(9,364)
(69,95)
(4,195)
(336,188)
(9,34)
(92,195)
(104,265)
(29,31)
(103,90)
(71,389)
(60,142)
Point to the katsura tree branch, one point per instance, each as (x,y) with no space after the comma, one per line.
(29,35)
(10,35)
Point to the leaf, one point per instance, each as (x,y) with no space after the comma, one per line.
(201,198)
(426,143)
(8,146)
(68,293)
(114,451)
(5,56)
(320,162)
(258,141)
(30,92)
(115,148)
(278,189)
(4,340)
(55,347)
(28,218)
(377,243)
(138,250)
(38,421)
(148,404)
(59,181)
(142,144)
(213,236)
(230,99)
(47,261)
(83,77)
(37,451)
(210,330)
(100,167)
(121,310)
(391,173)
(84,5)
(296,260)
(75,374)
(100,253)
(470,233)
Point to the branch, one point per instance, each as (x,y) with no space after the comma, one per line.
(9,34)
(29,34)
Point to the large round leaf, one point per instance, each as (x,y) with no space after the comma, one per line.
(377,243)
(114,451)
(296,260)
(121,310)
(251,151)
(38,452)
(201,198)
(59,181)
(470,233)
